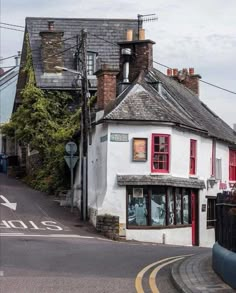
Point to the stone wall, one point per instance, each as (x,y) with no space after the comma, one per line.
(108,225)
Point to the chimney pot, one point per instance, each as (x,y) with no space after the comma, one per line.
(50,25)
(175,71)
(169,72)
(141,34)
(191,71)
(129,35)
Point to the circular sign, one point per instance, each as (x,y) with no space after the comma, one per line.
(71,148)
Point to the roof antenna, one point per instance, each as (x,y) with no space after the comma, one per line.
(145,18)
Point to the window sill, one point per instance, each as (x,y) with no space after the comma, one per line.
(193,176)
(210,228)
(160,173)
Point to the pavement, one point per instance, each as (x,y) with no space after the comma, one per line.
(195,274)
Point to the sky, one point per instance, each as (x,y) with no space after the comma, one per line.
(199,34)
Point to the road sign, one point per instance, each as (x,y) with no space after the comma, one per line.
(71,148)
(71,161)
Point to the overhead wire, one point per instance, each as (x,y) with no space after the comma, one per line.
(10,24)
(112,43)
(206,82)
(13,29)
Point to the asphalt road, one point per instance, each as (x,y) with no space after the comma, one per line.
(45,248)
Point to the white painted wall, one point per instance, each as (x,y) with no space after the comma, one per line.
(105,196)
(180,236)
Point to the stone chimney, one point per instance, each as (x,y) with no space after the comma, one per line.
(52,46)
(187,77)
(141,56)
(106,86)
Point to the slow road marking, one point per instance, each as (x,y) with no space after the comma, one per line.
(165,261)
(30,225)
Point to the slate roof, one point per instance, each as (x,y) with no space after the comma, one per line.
(123,180)
(112,30)
(142,102)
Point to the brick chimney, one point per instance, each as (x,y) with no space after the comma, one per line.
(106,86)
(52,46)
(141,56)
(187,77)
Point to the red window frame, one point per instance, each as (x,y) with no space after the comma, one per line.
(232,165)
(193,157)
(160,153)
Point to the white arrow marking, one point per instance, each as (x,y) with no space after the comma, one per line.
(10,205)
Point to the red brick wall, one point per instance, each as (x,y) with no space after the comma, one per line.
(106,89)
(141,57)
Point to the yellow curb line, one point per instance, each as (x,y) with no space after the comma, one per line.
(152,278)
(139,278)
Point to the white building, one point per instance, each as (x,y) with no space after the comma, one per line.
(159,156)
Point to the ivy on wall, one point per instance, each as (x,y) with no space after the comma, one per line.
(45,122)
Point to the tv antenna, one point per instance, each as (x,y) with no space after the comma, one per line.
(145,18)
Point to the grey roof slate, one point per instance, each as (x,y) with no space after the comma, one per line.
(99,30)
(176,104)
(123,180)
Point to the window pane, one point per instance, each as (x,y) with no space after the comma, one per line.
(186,209)
(178,206)
(162,140)
(156,148)
(158,207)
(137,206)
(211,213)
(156,140)
(171,208)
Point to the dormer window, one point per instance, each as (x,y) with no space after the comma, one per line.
(91,62)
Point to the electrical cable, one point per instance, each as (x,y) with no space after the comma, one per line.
(13,29)
(8,57)
(211,84)
(11,24)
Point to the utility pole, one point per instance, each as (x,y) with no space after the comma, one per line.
(84,120)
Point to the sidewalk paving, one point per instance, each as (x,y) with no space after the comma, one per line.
(195,275)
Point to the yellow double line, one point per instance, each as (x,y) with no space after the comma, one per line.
(152,278)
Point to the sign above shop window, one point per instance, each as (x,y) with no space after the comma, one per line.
(119,137)
(138,192)
(140,149)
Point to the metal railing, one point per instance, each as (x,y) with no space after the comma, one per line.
(226,220)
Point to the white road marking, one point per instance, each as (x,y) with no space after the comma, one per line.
(30,225)
(1,273)
(46,235)
(8,204)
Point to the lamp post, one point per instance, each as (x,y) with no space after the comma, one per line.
(84,134)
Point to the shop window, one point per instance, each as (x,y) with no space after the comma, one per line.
(137,206)
(158,206)
(193,154)
(232,165)
(160,153)
(211,212)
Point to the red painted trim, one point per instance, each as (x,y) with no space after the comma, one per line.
(193,157)
(164,153)
(193,207)
(232,165)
